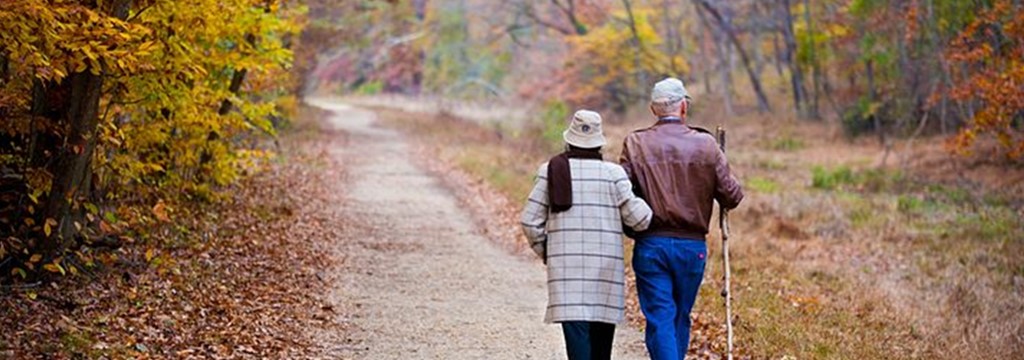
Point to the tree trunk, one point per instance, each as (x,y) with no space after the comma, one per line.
(758,54)
(71,163)
(872,98)
(236,84)
(795,75)
(641,73)
(421,16)
(5,69)
(762,100)
(421,9)
(674,43)
(815,66)
(722,63)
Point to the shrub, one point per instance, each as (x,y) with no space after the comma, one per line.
(822,178)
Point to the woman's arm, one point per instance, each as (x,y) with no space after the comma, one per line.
(535,214)
(635,212)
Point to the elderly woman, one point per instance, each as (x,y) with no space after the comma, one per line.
(573,220)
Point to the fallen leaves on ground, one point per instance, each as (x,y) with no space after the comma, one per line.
(241,280)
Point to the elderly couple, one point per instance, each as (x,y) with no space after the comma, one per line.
(669,175)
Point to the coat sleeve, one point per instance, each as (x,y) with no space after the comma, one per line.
(728,191)
(535,214)
(625,160)
(635,212)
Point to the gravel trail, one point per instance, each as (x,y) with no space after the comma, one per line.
(417,280)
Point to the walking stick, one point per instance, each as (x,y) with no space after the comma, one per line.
(723,224)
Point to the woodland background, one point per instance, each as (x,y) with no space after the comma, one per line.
(129,125)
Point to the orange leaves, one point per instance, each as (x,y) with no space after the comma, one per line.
(55,267)
(160,211)
(990,74)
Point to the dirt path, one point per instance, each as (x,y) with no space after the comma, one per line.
(417,280)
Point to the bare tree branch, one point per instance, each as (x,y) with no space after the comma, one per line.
(531,13)
(762,100)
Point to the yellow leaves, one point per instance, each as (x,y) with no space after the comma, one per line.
(165,73)
(48,225)
(145,48)
(610,56)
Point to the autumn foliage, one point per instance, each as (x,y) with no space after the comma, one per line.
(989,58)
(115,111)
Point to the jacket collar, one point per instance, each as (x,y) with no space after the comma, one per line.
(670,120)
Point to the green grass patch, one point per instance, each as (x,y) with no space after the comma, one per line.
(370,88)
(909,204)
(988,224)
(842,177)
(831,179)
(786,143)
(769,164)
(950,194)
(762,185)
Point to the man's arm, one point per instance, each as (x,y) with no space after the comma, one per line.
(626,160)
(535,214)
(728,191)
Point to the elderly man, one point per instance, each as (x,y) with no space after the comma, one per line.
(679,170)
(573,219)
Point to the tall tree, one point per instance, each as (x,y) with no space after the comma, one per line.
(726,27)
(79,114)
(718,39)
(788,56)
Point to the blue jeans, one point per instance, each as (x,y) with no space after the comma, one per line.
(588,340)
(668,274)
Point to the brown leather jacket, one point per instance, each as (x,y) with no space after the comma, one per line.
(679,170)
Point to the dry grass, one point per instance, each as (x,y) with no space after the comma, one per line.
(835,256)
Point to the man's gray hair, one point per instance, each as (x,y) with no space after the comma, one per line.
(668,107)
(667,97)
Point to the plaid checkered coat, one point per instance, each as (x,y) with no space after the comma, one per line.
(584,245)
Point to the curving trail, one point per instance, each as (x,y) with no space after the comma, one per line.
(417,281)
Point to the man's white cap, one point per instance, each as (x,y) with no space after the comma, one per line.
(670,90)
(585,130)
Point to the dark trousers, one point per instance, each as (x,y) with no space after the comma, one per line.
(668,274)
(587,340)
